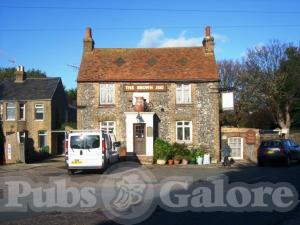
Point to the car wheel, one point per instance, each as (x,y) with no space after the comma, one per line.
(287,161)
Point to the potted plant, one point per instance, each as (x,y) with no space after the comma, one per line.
(199,153)
(177,159)
(170,162)
(186,159)
(162,151)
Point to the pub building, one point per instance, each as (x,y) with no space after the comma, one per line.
(140,94)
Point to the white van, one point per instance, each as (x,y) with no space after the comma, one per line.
(90,150)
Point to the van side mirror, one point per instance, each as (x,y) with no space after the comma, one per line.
(117,144)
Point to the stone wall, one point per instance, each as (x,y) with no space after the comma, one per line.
(203,112)
(249,150)
(16,152)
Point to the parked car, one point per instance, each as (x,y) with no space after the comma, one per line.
(280,150)
(90,150)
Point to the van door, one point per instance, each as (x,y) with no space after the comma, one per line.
(85,150)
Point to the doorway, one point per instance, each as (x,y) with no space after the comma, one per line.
(139,139)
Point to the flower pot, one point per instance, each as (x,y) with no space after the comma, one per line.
(170,162)
(176,161)
(161,162)
(185,162)
(200,160)
(139,104)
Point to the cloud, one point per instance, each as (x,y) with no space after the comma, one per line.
(156,38)
(220,37)
(152,38)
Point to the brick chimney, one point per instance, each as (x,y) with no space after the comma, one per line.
(20,74)
(88,42)
(208,42)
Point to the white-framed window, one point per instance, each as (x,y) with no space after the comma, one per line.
(107,94)
(22,111)
(42,138)
(183,94)
(109,127)
(236,147)
(10,111)
(1,111)
(184,131)
(39,111)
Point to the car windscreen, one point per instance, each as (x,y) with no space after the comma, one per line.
(85,141)
(271,144)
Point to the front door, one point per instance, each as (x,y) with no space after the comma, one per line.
(139,139)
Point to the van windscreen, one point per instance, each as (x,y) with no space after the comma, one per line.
(85,141)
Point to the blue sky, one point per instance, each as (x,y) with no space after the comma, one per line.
(49,37)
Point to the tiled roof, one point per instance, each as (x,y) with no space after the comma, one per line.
(148,64)
(30,89)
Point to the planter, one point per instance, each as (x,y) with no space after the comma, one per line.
(139,104)
(170,162)
(185,162)
(122,153)
(200,160)
(176,161)
(161,162)
(206,159)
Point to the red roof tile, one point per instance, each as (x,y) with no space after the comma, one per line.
(148,64)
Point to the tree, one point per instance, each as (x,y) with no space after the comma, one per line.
(230,72)
(271,80)
(9,72)
(71,96)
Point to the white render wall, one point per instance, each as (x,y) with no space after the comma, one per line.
(147,118)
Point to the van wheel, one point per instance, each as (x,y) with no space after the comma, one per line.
(71,172)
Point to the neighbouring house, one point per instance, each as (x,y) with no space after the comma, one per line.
(32,108)
(140,94)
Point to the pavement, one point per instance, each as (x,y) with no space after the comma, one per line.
(240,172)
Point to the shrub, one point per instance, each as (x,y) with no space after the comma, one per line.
(181,150)
(162,149)
(198,152)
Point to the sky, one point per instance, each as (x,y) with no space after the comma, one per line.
(48,34)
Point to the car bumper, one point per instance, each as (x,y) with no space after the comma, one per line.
(268,158)
(84,167)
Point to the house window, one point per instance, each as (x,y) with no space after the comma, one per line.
(39,111)
(236,147)
(10,111)
(183,94)
(109,127)
(42,139)
(1,111)
(22,111)
(107,93)
(183,131)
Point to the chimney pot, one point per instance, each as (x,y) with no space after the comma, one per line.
(88,33)
(207,31)
(20,74)
(208,42)
(88,42)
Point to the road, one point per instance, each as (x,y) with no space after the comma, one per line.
(243,173)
